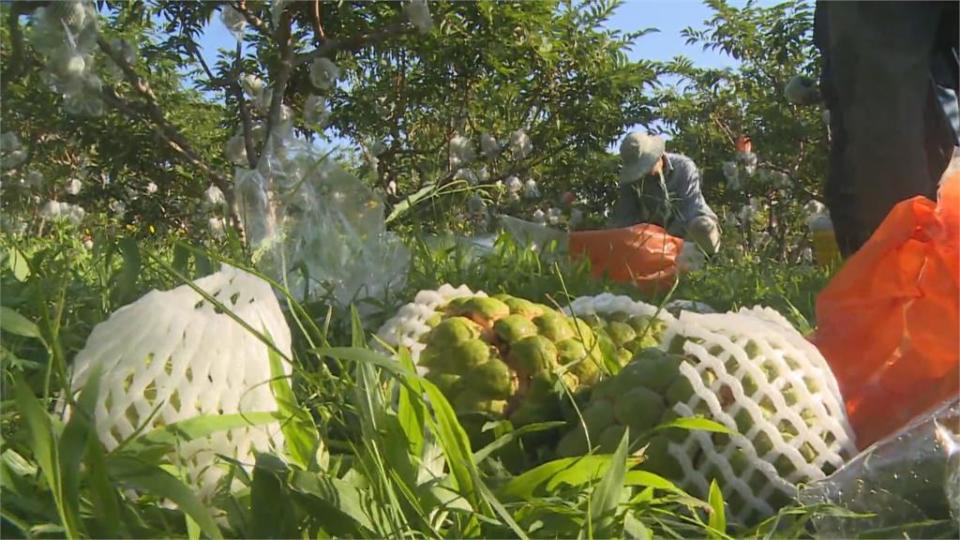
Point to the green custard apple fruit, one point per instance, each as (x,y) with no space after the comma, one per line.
(749,371)
(497,357)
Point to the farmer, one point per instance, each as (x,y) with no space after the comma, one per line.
(889,80)
(663,188)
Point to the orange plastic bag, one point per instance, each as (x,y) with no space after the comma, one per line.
(643,254)
(888,322)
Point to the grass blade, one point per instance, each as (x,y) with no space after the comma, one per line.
(299,431)
(73,445)
(718,517)
(608,492)
(17,324)
(151,478)
(271,507)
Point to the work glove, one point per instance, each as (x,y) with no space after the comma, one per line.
(705,232)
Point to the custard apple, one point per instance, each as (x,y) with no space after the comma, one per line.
(497,356)
(749,371)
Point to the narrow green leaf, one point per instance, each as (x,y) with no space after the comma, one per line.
(411,411)
(271,508)
(103,494)
(574,471)
(130,252)
(73,446)
(718,519)
(695,423)
(137,474)
(193,529)
(342,497)
(197,427)
(508,438)
(299,430)
(18,265)
(634,529)
(455,444)
(44,446)
(649,479)
(15,323)
(608,492)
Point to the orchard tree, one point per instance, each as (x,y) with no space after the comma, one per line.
(710,109)
(438,100)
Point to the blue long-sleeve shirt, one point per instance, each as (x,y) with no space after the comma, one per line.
(644,201)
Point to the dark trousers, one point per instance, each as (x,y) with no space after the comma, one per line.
(889,79)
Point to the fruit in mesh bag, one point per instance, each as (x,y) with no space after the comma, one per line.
(631,326)
(172,355)
(749,371)
(496,356)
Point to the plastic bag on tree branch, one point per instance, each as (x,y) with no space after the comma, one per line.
(318,229)
(538,237)
(909,480)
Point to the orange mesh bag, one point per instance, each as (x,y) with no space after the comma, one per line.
(888,322)
(643,254)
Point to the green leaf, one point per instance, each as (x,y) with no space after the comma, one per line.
(608,492)
(718,519)
(18,264)
(299,431)
(456,445)
(197,427)
(73,445)
(695,423)
(103,494)
(338,496)
(649,479)
(271,508)
(138,474)
(575,471)
(17,324)
(411,411)
(511,436)
(43,442)
(130,251)
(633,528)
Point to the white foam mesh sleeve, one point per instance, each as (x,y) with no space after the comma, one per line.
(783,360)
(171,351)
(410,322)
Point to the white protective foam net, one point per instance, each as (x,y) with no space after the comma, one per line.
(173,352)
(409,324)
(782,363)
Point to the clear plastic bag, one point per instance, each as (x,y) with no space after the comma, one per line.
(319,229)
(908,481)
(538,237)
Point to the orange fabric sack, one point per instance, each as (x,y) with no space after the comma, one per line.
(888,322)
(643,254)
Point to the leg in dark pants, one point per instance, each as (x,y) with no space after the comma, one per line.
(879,89)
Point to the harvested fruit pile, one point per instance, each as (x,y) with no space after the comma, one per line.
(608,364)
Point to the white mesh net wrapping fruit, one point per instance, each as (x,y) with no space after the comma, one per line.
(736,364)
(789,377)
(173,352)
(410,323)
(608,304)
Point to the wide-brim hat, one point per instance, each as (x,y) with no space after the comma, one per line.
(639,152)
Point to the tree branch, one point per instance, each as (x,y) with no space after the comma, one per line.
(150,110)
(251,18)
(285,42)
(317,26)
(248,144)
(14,67)
(354,43)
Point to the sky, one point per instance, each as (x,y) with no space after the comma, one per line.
(668,16)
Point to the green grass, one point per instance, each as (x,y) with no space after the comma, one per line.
(364,432)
